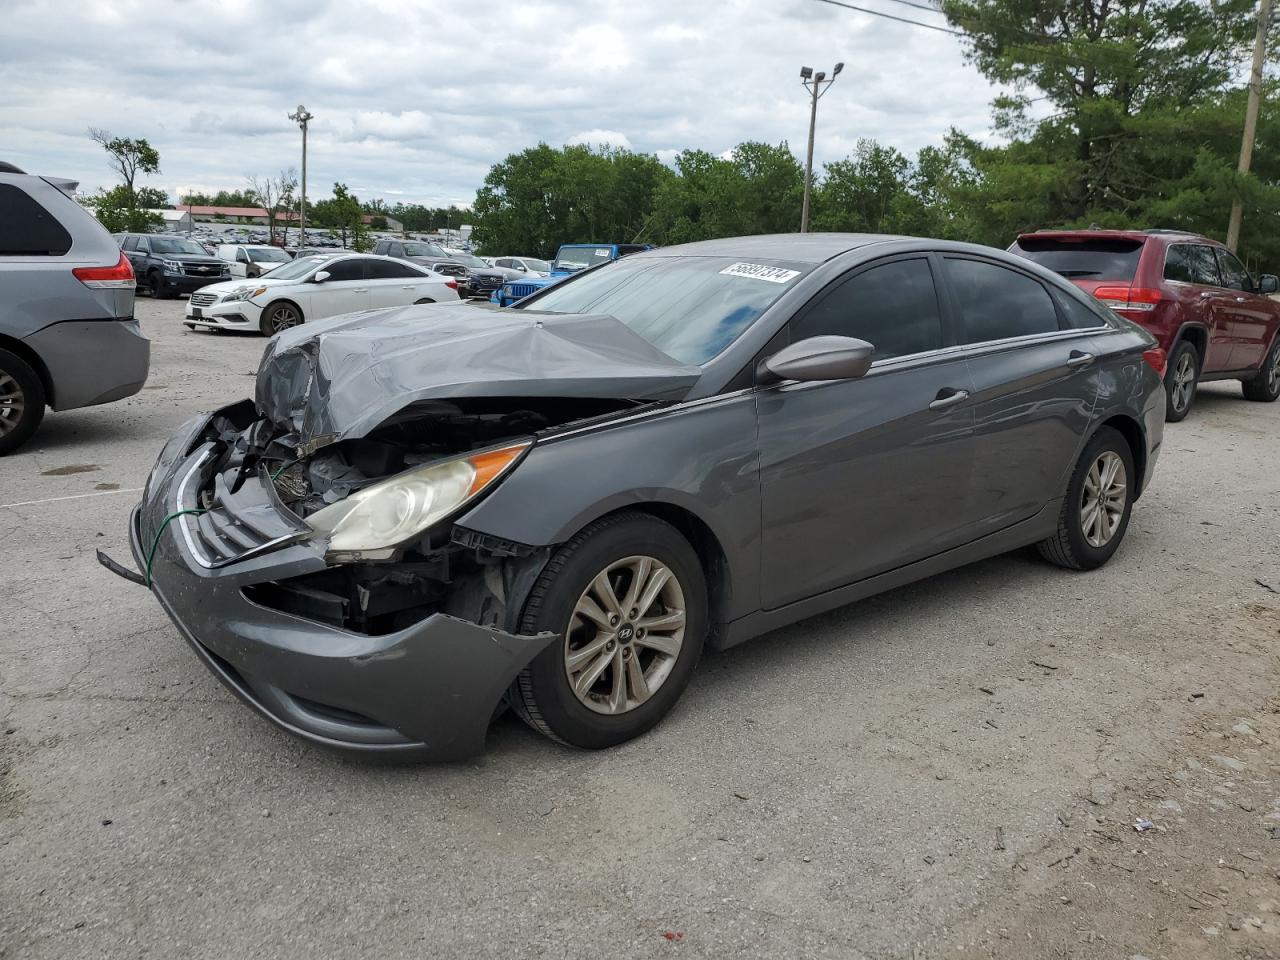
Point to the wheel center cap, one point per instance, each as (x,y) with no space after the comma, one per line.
(626,633)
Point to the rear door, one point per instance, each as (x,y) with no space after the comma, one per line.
(394,284)
(1034,373)
(1193,282)
(345,290)
(1250,312)
(862,476)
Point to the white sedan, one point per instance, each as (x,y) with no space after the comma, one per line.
(312,287)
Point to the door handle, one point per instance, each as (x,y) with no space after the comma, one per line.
(1207,294)
(1078,359)
(1242,299)
(948,397)
(409,288)
(365,290)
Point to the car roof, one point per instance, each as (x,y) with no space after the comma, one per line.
(802,247)
(1139,236)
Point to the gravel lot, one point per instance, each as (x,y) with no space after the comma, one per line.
(952,769)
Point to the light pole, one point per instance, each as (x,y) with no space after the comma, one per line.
(1265,20)
(817,85)
(302,118)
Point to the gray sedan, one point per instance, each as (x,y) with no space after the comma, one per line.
(427,513)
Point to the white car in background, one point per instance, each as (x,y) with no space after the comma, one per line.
(516,268)
(313,287)
(251,260)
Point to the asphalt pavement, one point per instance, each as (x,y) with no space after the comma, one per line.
(877,782)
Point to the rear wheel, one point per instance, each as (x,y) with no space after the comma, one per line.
(1180,382)
(1265,387)
(1095,511)
(424,300)
(21,401)
(279,316)
(627,599)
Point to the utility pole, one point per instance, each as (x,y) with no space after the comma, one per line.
(1250,117)
(302,118)
(815,84)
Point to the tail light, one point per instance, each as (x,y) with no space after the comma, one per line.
(1132,303)
(451,284)
(1156,359)
(120,275)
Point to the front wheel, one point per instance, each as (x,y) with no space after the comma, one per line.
(279,316)
(1180,382)
(1095,511)
(628,601)
(21,401)
(1265,387)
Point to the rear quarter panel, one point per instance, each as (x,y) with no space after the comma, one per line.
(1129,387)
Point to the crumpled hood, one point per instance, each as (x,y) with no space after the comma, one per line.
(331,379)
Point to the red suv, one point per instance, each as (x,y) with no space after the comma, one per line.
(1212,318)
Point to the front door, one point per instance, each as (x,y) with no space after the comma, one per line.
(345,290)
(394,284)
(861,476)
(1034,369)
(1250,313)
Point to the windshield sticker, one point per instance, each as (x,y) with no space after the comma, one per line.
(760,271)
(600,253)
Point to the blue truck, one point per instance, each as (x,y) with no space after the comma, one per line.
(571,258)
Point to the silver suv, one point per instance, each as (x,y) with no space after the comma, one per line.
(68,337)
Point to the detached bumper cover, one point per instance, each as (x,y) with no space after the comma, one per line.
(427,692)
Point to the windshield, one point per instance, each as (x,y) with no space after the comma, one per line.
(690,308)
(574,259)
(423,250)
(267,255)
(1103,258)
(537,266)
(295,269)
(170,245)
(475,263)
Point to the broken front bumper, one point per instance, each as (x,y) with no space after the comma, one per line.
(427,692)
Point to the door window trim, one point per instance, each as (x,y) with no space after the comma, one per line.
(1217,266)
(945,289)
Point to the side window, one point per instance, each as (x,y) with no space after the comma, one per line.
(1234,275)
(1177,263)
(894,307)
(996,303)
(144,245)
(130,243)
(390,270)
(241,255)
(1204,265)
(28,229)
(1077,315)
(346,270)
(504,263)
(394,250)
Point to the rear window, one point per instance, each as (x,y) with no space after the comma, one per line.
(1101,258)
(28,229)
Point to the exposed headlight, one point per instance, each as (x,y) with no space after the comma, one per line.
(243,293)
(371,523)
(173,266)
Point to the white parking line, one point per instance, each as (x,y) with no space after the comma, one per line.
(78,496)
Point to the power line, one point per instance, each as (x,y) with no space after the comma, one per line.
(890,16)
(919,6)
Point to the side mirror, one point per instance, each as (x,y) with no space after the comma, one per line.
(523,269)
(320,277)
(820,358)
(1268,283)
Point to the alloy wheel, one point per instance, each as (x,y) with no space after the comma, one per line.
(1273,375)
(283,317)
(624,635)
(13,403)
(1184,381)
(1103,500)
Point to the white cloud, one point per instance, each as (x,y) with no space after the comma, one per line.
(416,101)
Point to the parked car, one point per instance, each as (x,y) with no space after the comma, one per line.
(251,260)
(313,287)
(520,268)
(167,265)
(1213,319)
(415,251)
(68,337)
(562,504)
(571,258)
(479,280)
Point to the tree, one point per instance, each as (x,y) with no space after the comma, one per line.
(120,212)
(342,213)
(128,157)
(223,198)
(125,207)
(275,195)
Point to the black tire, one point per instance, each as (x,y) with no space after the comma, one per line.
(1177,403)
(1265,387)
(1069,547)
(542,695)
(160,289)
(18,384)
(423,300)
(272,320)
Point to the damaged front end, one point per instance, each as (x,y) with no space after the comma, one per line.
(306,543)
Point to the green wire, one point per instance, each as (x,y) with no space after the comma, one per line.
(287,465)
(151,554)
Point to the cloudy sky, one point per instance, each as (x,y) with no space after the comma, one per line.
(414,100)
